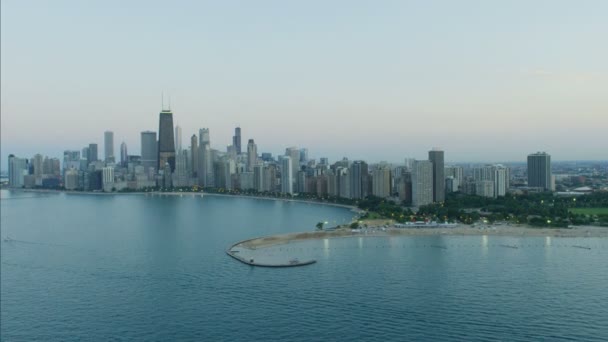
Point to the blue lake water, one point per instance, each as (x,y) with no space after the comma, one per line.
(153,268)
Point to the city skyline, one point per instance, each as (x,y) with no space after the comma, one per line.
(344,78)
(137,147)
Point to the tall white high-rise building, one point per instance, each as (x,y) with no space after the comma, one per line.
(252,155)
(108,143)
(16,171)
(107,178)
(497,175)
(205,165)
(294,153)
(286,175)
(455,171)
(422,183)
(178,139)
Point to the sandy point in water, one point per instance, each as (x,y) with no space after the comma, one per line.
(586,231)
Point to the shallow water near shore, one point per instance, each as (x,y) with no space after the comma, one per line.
(154,268)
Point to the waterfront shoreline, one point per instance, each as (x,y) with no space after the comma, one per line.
(194,194)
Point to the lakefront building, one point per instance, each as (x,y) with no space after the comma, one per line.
(422,183)
(286,176)
(539,171)
(436,158)
(149,146)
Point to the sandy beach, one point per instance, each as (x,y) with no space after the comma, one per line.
(518,231)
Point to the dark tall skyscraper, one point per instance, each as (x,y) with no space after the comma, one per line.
(149,145)
(436,157)
(92,153)
(166,140)
(194,154)
(359,179)
(539,171)
(236,140)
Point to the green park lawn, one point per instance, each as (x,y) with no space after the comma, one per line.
(590,211)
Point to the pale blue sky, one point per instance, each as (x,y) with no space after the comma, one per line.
(378,80)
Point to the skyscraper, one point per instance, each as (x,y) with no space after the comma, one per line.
(180,176)
(258,177)
(107,178)
(252,155)
(455,171)
(166,140)
(85,154)
(194,155)
(236,140)
(205,168)
(422,183)
(303,155)
(16,171)
(497,175)
(359,179)
(178,139)
(124,157)
(37,162)
(294,153)
(204,136)
(71,160)
(381,181)
(149,145)
(108,145)
(286,175)
(436,157)
(92,153)
(539,171)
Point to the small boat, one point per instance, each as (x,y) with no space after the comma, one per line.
(8,239)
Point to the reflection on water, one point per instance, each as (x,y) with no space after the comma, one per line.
(484,245)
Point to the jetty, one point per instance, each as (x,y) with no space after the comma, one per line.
(581,247)
(257,257)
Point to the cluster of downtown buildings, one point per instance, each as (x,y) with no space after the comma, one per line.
(164,163)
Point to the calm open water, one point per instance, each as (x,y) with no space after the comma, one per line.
(86,267)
